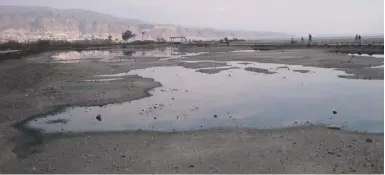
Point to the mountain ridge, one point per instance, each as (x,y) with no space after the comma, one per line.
(25,23)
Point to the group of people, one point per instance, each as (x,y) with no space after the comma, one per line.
(358,37)
(310,39)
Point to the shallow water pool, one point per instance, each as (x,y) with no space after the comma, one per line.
(190,100)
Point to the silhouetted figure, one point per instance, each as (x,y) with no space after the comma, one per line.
(310,39)
(356,38)
(359,38)
(227,41)
(302,40)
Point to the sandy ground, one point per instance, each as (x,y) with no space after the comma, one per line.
(33,86)
(293,150)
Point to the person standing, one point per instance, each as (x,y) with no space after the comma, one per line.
(310,39)
(359,39)
(302,40)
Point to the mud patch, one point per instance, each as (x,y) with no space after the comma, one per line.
(214,70)
(199,65)
(57,121)
(301,71)
(259,70)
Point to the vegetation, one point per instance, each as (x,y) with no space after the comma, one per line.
(127,35)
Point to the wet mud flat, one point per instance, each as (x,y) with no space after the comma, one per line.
(112,87)
(356,65)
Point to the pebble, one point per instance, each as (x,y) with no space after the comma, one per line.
(369,140)
(334,112)
(99,117)
(215,116)
(191,166)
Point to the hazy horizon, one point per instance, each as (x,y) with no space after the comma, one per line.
(296,17)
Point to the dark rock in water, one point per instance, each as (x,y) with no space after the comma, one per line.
(173,98)
(369,140)
(215,116)
(123,156)
(99,117)
(155,118)
(191,166)
(334,112)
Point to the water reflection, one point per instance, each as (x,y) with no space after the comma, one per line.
(119,55)
(189,100)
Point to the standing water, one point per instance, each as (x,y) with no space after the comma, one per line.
(191,100)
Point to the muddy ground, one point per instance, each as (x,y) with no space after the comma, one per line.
(34,86)
(356,65)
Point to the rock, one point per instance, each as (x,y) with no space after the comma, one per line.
(173,98)
(123,156)
(337,127)
(215,116)
(191,166)
(369,140)
(155,118)
(334,112)
(99,117)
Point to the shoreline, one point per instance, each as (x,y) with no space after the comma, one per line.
(50,87)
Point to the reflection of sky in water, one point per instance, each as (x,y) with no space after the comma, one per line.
(367,55)
(118,55)
(239,98)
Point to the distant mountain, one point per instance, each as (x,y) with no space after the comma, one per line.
(25,23)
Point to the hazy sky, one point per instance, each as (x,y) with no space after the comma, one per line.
(299,17)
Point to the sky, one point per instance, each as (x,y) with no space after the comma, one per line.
(297,17)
